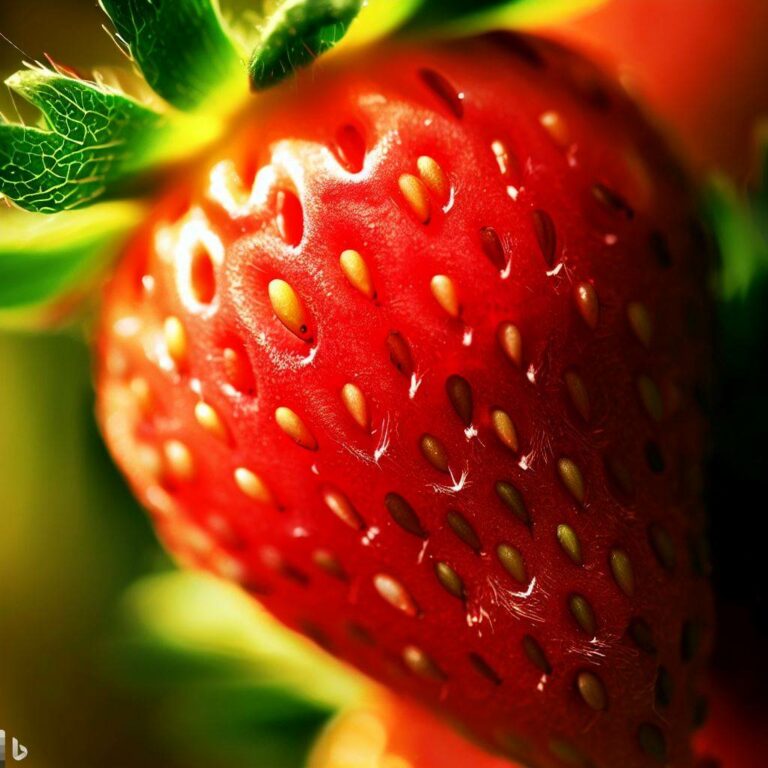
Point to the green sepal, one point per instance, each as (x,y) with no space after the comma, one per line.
(466,16)
(296,34)
(91,137)
(42,257)
(180,46)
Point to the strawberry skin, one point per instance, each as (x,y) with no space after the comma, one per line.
(418,360)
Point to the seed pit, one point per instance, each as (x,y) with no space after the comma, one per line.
(660,249)
(484,668)
(654,457)
(202,278)
(452,98)
(349,148)
(289,217)
(237,367)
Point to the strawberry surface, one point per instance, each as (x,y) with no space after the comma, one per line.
(419,360)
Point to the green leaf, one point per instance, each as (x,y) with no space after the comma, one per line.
(180,46)
(42,257)
(296,34)
(465,16)
(91,137)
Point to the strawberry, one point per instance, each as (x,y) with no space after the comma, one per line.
(418,359)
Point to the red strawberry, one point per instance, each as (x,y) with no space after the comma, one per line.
(427,384)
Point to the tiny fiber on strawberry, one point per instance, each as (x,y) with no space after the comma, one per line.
(419,359)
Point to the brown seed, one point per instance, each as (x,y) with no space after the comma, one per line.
(512,562)
(570,543)
(416,196)
(295,428)
(690,639)
(571,476)
(652,742)
(450,580)
(621,568)
(178,460)
(492,247)
(355,403)
(583,614)
(342,507)
(536,655)
(484,668)
(444,91)
(511,342)
(464,530)
(556,127)
(641,635)
(569,754)
(434,177)
(513,500)
(640,322)
(650,397)
(620,480)
(208,418)
(421,664)
(546,236)
(587,304)
(403,514)
(504,429)
(445,295)
(175,340)
(289,309)
(612,200)
(357,273)
(592,690)
(395,594)
(663,546)
(460,394)
(253,486)
(329,563)
(434,452)
(400,353)
(577,392)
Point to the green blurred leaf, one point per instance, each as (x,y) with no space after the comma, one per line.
(465,16)
(295,34)
(91,138)
(180,46)
(42,257)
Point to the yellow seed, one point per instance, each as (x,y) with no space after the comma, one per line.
(570,543)
(512,561)
(175,339)
(583,614)
(621,567)
(433,177)
(329,563)
(571,476)
(416,195)
(450,580)
(592,690)
(536,655)
(640,322)
(663,546)
(444,292)
(577,391)
(588,306)
(513,500)
(568,754)
(504,428)
(342,507)
(650,397)
(434,452)
(511,342)
(289,309)
(395,594)
(178,459)
(253,486)
(354,401)
(140,389)
(556,127)
(356,271)
(209,419)
(418,661)
(295,428)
